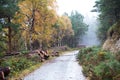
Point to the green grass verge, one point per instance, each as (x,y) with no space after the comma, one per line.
(20,64)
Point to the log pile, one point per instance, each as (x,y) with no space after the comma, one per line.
(43,55)
(55,53)
(4,72)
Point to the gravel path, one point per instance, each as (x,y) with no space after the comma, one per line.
(64,67)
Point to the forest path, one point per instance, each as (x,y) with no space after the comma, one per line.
(64,67)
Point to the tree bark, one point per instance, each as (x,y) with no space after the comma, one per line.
(9,37)
(32,29)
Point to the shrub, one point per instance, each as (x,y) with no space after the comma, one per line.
(99,64)
(17,64)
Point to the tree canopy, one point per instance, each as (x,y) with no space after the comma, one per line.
(109,14)
(33,24)
(78,26)
(8,9)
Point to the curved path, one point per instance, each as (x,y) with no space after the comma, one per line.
(64,67)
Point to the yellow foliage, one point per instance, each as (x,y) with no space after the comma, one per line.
(101,53)
(44,15)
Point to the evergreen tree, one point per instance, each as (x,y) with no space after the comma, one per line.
(8,9)
(78,26)
(109,14)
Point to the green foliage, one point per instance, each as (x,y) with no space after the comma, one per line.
(102,32)
(1,55)
(18,64)
(8,8)
(0,27)
(114,29)
(107,70)
(78,26)
(109,14)
(2,43)
(25,52)
(99,64)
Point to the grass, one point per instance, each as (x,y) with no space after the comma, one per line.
(20,65)
(25,72)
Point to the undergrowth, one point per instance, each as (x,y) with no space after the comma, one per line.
(99,64)
(18,63)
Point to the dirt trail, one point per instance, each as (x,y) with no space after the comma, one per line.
(64,67)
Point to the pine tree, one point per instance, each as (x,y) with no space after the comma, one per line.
(109,14)
(8,9)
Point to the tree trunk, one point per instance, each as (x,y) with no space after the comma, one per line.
(32,29)
(25,44)
(30,42)
(9,37)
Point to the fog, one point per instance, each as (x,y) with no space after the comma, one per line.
(84,7)
(90,38)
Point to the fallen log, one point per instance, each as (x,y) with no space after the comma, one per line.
(46,56)
(12,54)
(42,54)
(55,53)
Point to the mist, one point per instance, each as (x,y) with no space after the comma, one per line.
(84,7)
(90,38)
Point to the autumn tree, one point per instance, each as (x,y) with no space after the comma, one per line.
(63,31)
(58,32)
(39,16)
(68,31)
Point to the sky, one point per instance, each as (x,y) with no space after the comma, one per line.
(82,6)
